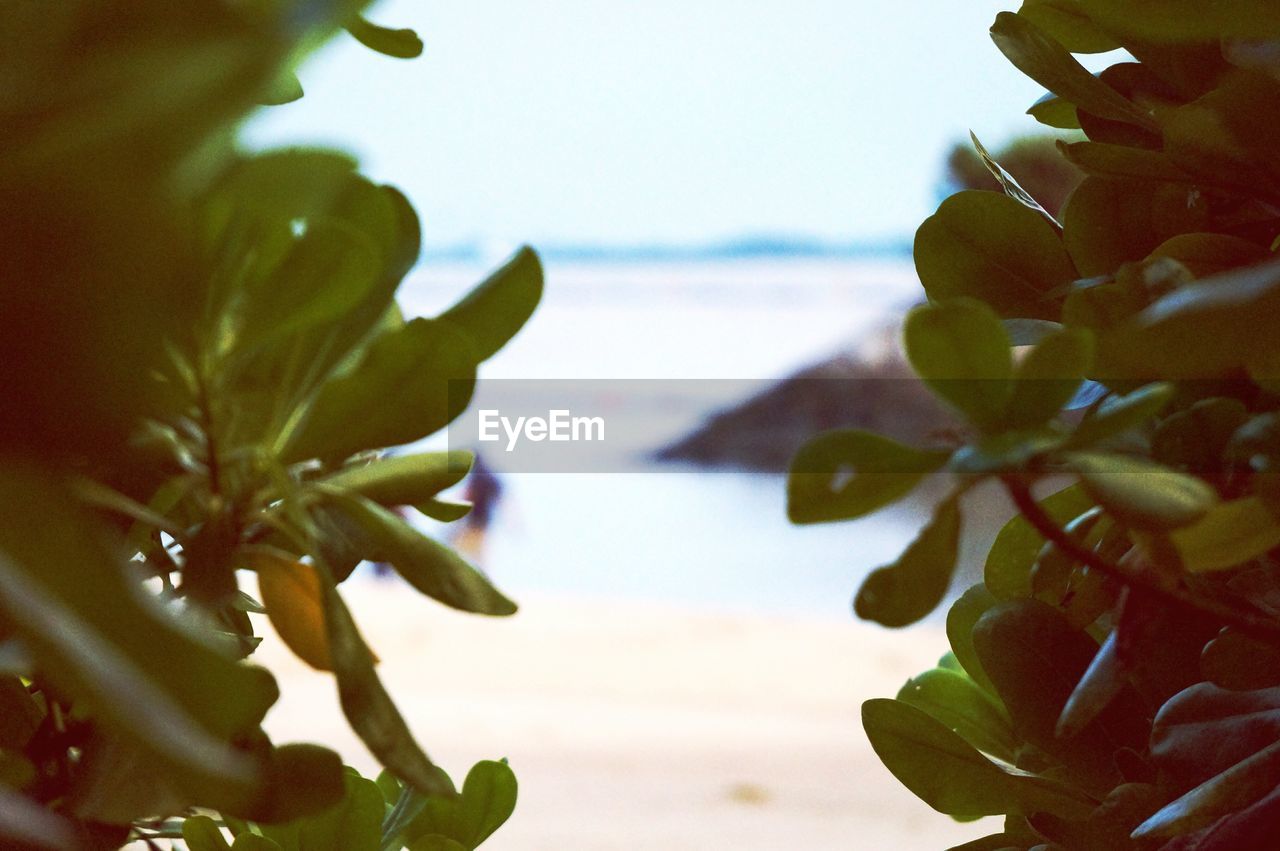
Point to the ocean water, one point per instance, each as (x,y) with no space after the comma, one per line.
(672,533)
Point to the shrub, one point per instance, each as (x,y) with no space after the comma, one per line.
(1114,681)
(202,363)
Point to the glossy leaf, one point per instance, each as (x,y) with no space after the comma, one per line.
(201,833)
(843,474)
(991,247)
(957,702)
(950,775)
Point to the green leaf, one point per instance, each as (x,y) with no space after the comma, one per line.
(1186,20)
(907,590)
(1120,413)
(403,479)
(436,843)
(1110,221)
(494,311)
(1230,534)
(993,248)
(1200,331)
(1009,183)
(426,367)
(1142,493)
(430,567)
(143,674)
(1066,22)
(1053,111)
(1007,573)
(951,776)
(355,824)
(1108,160)
(369,708)
(1048,376)
(957,702)
(1223,746)
(254,842)
(488,800)
(201,833)
(960,349)
(847,473)
(1035,658)
(1206,254)
(1047,62)
(398,44)
(961,617)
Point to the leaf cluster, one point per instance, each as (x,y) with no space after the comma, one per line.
(1112,682)
(204,368)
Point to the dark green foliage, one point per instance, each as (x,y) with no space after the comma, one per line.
(1123,651)
(204,365)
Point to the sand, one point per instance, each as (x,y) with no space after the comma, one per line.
(642,727)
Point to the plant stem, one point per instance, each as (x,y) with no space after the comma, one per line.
(1256,626)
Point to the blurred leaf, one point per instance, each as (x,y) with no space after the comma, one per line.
(403,479)
(444,510)
(430,567)
(498,307)
(843,474)
(369,708)
(141,672)
(1109,221)
(1007,573)
(285,88)
(960,349)
(436,843)
(294,600)
(202,833)
(1142,493)
(907,590)
(28,824)
(355,824)
(1186,20)
(1050,64)
(951,776)
(254,842)
(1048,377)
(426,367)
(991,247)
(398,44)
(1121,413)
(1207,254)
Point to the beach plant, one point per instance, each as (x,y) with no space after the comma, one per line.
(203,363)
(1114,680)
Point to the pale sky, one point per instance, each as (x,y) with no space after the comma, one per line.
(677,121)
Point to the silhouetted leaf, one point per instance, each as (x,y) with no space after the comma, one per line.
(907,590)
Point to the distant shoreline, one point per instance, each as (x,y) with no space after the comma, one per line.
(748,248)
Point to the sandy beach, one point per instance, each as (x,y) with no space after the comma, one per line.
(642,726)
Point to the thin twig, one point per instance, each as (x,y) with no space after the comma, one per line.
(1262,628)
